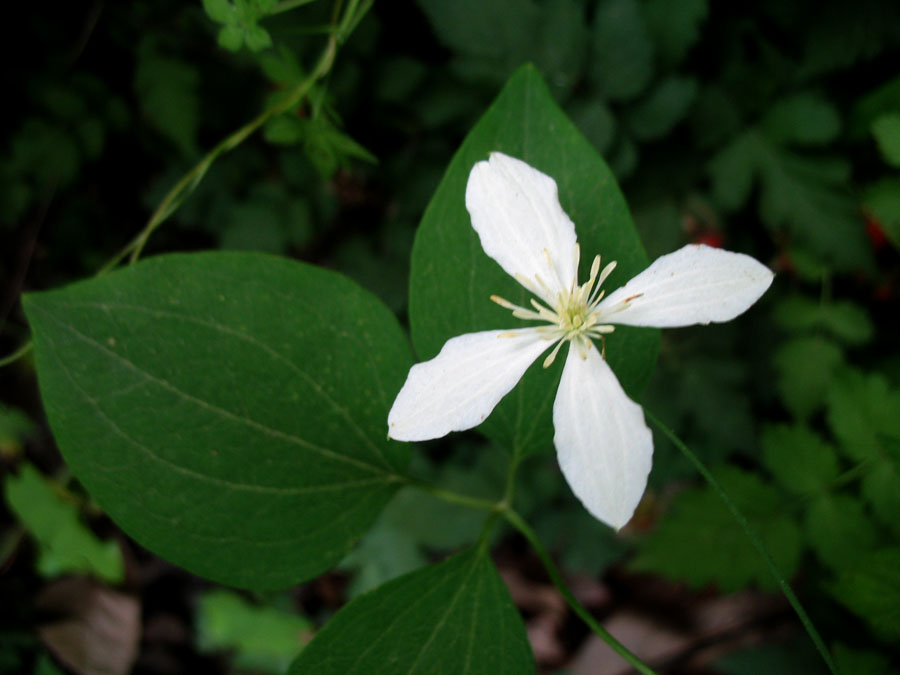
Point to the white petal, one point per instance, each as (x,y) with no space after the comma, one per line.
(516,212)
(459,387)
(695,284)
(604,446)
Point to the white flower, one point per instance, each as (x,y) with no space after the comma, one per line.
(603,444)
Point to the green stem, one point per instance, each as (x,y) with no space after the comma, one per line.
(517,522)
(16,355)
(188,183)
(754,539)
(503,508)
(453,497)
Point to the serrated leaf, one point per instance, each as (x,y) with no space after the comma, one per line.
(452,278)
(799,458)
(675,26)
(862,413)
(802,119)
(845,320)
(67,546)
(227,410)
(839,530)
(261,638)
(805,368)
(805,195)
(622,50)
(886,130)
(699,541)
(872,590)
(452,617)
(668,103)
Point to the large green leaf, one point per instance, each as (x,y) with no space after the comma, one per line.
(452,278)
(454,617)
(228,410)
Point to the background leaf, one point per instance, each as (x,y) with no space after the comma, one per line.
(699,543)
(263,638)
(452,617)
(66,544)
(452,278)
(227,410)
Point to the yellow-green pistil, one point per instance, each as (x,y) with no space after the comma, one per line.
(574,315)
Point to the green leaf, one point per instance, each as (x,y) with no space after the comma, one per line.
(675,26)
(384,554)
(66,545)
(452,278)
(860,661)
(872,591)
(595,120)
(799,458)
(15,425)
(699,542)
(882,201)
(491,39)
(622,59)
(261,638)
(802,119)
(220,11)
(167,91)
(239,19)
(862,413)
(452,617)
(806,367)
(807,196)
(562,44)
(663,109)
(886,130)
(227,410)
(839,530)
(845,320)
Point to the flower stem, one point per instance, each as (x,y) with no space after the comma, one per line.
(453,497)
(517,522)
(754,539)
(16,355)
(504,509)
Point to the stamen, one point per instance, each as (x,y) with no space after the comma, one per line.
(549,360)
(606,272)
(528,315)
(576,260)
(505,304)
(544,313)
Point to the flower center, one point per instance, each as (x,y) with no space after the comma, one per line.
(573,314)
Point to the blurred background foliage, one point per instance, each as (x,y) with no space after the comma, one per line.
(766,127)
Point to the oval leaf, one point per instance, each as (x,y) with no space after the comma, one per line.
(454,617)
(227,410)
(452,278)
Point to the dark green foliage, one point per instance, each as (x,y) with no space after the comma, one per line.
(769,128)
